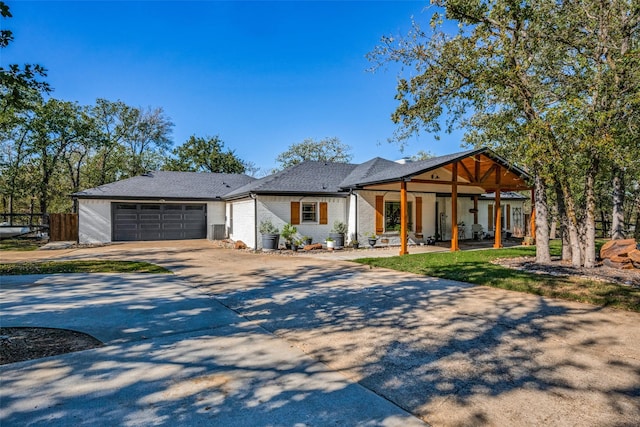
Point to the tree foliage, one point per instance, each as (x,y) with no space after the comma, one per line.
(200,154)
(324,150)
(553,85)
(20,85)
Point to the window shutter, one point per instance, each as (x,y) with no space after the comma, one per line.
(490,216)
(379,214)
(295,213)
(418,215)
(508,217)
(324,213)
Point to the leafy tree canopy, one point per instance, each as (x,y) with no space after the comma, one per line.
(324,150)
(200,154)
(20,85)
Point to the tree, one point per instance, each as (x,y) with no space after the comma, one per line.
(324,150)
(199,154)
(112,123)
(20,86)
(57,127)
(549,84)
(422,155)
(146,140)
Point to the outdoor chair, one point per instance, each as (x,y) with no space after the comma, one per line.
(476,232)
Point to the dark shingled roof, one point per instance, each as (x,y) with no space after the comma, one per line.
(309,177)
(398,171)
(169,185)
(365,170)
(304,178)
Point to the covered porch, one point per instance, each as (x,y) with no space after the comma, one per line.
(469,174)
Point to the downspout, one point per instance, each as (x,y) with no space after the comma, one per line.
(356,213)
(351,193)
(255,220)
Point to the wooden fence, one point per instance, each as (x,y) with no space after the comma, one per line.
(63,227)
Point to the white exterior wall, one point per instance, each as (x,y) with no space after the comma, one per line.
(94,221)
(367,211)
(517,211)
(215,215)
(278,210)
(94,217)
(352,220)
(244,223)
(465,203)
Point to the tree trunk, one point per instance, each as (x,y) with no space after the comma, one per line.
(542,221)
(617,217)
(564,224)
(572,227)
(636,233)
(590,219)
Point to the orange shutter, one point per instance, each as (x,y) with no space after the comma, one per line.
(418,215)
(508,217)
(324,213)
(379,214)
(295,213)
(490,215)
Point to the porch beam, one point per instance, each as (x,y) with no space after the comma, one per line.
(477,167)
(471,184)
(454,210)
(466,171)
(488,173)
(403,218)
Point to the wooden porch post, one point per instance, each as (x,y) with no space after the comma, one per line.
(403,218)
(532,225)
(454,209)
(475,209)
(498,212)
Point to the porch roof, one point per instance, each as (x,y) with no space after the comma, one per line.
(480,168)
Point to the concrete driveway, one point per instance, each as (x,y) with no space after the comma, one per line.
(450,353)
(173,356)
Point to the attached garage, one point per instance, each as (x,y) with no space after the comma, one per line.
(157,221)
(157,206)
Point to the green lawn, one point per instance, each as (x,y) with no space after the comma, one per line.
(476,267)
(20,244)
(88,266)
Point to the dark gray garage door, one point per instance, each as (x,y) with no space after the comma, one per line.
(156,221)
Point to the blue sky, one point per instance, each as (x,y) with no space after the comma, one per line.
(261,75)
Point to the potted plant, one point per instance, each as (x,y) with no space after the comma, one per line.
(354,241)
(288,232)
(372,238)
(331,244)
(295,244)
(307,240)
(270,235)
(338,232)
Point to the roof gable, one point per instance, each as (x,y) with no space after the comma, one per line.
(478,167)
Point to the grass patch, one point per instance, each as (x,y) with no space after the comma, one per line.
(20,244)
(85,266)
(476,267)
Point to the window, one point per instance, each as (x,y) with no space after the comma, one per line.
(309,212)
(392,216)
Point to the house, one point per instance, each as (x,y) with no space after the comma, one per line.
(449,197)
